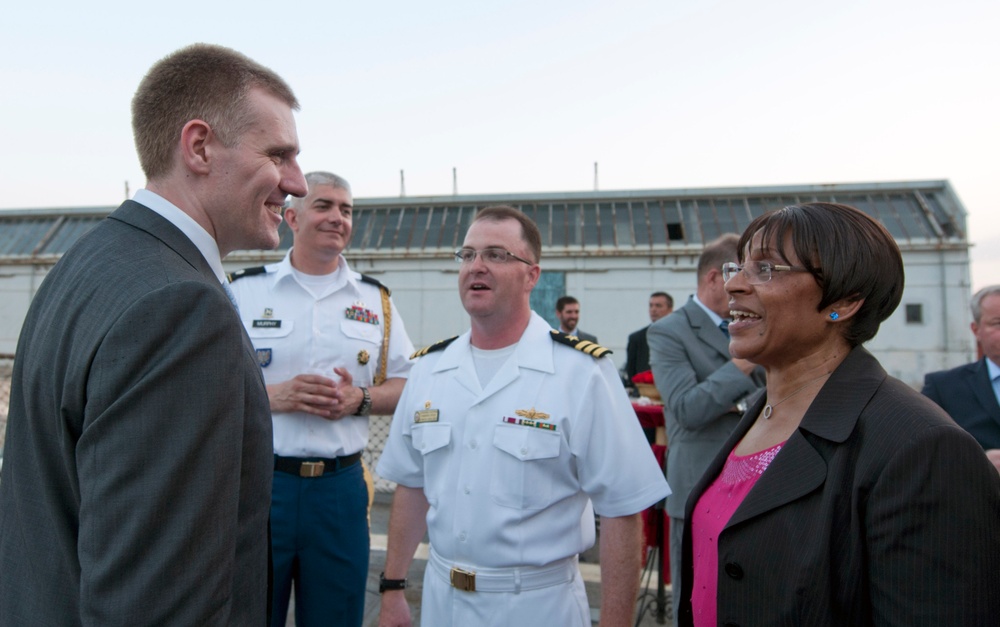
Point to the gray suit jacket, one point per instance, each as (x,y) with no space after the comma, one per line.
(137,474)
(700,386)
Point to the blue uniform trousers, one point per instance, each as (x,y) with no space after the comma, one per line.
(319,540)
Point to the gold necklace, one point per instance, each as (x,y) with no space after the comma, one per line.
(769,408)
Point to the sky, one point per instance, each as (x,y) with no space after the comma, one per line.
(525,96)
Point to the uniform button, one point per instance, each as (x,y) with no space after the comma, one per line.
(467,490)
(472,444)
(733,570)
(524,450)
(461,537)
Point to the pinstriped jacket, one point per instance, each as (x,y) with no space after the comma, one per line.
(879,510)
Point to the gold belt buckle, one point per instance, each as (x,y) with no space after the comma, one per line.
(463,579)
(311,469)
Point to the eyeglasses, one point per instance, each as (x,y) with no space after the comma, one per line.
(756,272)
(489,255)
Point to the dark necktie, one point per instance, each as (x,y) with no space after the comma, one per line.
(724,327)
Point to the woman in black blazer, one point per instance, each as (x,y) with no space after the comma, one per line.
(843,497)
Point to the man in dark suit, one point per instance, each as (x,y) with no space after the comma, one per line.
(568,313)
(137,478)
(700,383)
(971,393)
(637,349)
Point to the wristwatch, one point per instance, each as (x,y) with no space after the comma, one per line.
(365,408)
(389,584)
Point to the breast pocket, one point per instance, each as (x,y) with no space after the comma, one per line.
(361,331)
(525,467)
(431,440)
(268,333)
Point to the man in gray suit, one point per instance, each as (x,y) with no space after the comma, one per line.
(701,385)
(137,478)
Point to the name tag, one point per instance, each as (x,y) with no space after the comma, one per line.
(267,324)
(426,415)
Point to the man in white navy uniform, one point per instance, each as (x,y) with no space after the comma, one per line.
(501,441)
(333,350)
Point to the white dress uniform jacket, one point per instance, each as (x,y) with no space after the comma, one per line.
(508,471)
(296,332)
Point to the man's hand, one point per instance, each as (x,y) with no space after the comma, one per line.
(317,395)
(395,612)
(310,393)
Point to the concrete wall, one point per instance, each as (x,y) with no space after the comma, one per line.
(614,292)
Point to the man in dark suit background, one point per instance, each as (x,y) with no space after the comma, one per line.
(637,349)
(971,393)
(700,383)
(137,478)
(568,313)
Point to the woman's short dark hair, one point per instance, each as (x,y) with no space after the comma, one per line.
(850,255)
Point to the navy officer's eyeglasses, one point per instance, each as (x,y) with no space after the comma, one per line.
(489,255)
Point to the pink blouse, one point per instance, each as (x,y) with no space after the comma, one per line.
(714,509)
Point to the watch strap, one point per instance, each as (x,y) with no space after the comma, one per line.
(365,408)
(390,584)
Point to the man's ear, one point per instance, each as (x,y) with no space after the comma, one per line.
(533,275)
(197,143)
(292,218)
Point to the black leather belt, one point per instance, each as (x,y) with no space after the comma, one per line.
(314,466)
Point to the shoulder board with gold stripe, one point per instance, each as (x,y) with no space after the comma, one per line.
(433,347)
(239,274)
(373,281)
(594,350)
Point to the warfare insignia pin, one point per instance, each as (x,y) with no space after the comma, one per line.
(264,357)
(530,418)
(363,357)
(531,413)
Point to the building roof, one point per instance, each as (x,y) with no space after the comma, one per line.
(918,214)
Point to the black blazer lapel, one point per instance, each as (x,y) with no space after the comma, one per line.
(801,467)
(982,387)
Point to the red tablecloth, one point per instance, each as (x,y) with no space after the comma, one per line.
(650,416)
(650,515)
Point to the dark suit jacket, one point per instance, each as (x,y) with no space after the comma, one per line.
(700,387)
(967,395)
(637,353)
(137,475)
(879,510)
(583,335)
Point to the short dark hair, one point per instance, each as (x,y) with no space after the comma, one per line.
(670,299)
(529,230)
(850,255)
(565,300)
(199,82)
(976,305)
(717,252)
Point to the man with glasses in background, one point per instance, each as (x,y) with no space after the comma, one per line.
(701,385)
(502,456)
